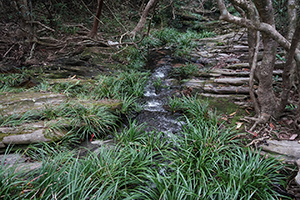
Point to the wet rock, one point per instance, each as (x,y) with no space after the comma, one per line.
(2,145)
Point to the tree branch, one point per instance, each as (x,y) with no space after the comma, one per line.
(263,27)
(253,67)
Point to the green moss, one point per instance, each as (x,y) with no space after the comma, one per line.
(2,135)
(227,109)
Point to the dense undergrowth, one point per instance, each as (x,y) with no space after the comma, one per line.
(202,162)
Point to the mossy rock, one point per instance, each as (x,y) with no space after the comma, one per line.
(19,103)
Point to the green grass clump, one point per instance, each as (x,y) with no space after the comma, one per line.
(185,71)
(123,84)
(183,42)
(81,120)
(195,109)
(11,182)
(11,82)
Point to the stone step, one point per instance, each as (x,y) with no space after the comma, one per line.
(18,103)
(226,96)
(226,90)
(238,66)
(229,72)
(232,81)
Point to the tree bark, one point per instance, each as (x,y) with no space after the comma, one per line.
(292,14)
(265,92)
(141,24)
(287,69)
(94,30)
(23,8)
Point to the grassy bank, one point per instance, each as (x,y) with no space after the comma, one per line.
(202,162)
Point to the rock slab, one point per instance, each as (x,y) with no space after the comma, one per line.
(34,137)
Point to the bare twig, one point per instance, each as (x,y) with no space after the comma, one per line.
(31,51)
(39,23)
(8,50)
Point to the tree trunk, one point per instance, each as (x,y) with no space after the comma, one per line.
(151,4)
(287,68)
(94,30)
(265,92)
(23,8)
(292,16)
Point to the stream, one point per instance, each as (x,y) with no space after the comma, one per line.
(154,113)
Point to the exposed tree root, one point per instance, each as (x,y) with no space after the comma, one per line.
(256,141)
(260,120)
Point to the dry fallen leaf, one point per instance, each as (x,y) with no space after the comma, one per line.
(293,137)
(73,77)
(247,112)
(238,125)
(272,126)
(232,114)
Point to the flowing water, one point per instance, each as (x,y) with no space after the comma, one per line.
(154,113)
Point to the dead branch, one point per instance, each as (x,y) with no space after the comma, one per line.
(8,50)
(31,51)
(39,23)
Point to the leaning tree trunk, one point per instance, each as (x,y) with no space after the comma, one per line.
(266,97)
(141,24)
(94,30)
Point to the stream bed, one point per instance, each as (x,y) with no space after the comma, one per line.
(156,97)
